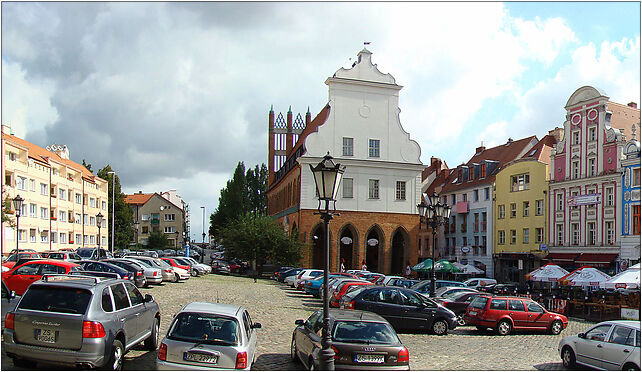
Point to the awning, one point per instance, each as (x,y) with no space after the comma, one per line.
(562,257)
(596,259)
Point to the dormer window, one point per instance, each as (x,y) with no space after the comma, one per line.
(483,171)
(471,173)
(460,175)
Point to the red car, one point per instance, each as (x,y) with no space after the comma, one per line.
(11,260)
(172,262)
(343,288)
(20,277)
(505,313)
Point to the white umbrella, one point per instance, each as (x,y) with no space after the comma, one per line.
(469,269)
(585,276)
(629,279)
(636,266)
(547,273)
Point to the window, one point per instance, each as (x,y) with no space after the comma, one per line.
(92,221)
(464,197)
(373,148)
(591,237)
(170,217)
(496,304)
(373,189)
(85,240)
(525,207)
(32,235)
(78,198)
(486,193)
(106,301)
(513,210)
(92,202)
(539,207)
(32,185)
(134,295)
(591,167)
(520,182)
(476,195)
(560,202)
(513,236)
(348,191)
(525,237)
(78,220)
(576,137)
(145,217)
(501,212)
(465,241)
(44,190)
(501,238)
(155,216)
(576,169)
(44,213)
(30,269)
(120,296)
(169,229)
(516,305)
(533,307)
(482,170)
(103,205)
(62,194)
(44,236)
(592,134)
(33,210)
(401,190)
(63,238)
(92,240)
(348,146)
(636,219)
(598,333)
(452,199)
(145,230)
(574,194)
(636,177)
(575,233)
(78,239)
(540,234)
(623,336)
(21,183)
(62,216)
(471,173)
(53,236)
(85,219)
(610,232)
(609,196)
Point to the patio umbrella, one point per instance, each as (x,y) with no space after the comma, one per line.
(585,276)
(629,279)
(469,269)
(636,266)
(546,273)
(445,266)
(423,266)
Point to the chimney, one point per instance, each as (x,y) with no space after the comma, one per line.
(480,149)
(633,105)
(6,128)
(556,133)
(140,192)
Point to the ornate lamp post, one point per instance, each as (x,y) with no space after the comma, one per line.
(434,215)
(17,206)
(327,176)
(99,222)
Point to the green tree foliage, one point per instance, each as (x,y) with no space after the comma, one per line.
(88,166)
(157,240)
(259,238)
(257,189)
(123,218)
(7,210)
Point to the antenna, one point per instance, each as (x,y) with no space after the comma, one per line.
(365,43)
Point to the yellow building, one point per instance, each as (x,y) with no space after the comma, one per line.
(61,198)
(520,212)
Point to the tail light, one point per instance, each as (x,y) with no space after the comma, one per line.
(8,321)
(350,305)
(403,355)
(241,360)
(139,273)
(92,330)
(155,273)
(299,276)
(336,352)
(126,277)
(162,351)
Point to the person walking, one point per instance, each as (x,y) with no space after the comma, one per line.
(343,266)
(408,269)
(363,265)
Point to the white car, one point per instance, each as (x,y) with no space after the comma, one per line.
(153,275)
(290,280)
(611,345)
(477,283)
(306,274)
(389,278)
(206,269)
(182,273)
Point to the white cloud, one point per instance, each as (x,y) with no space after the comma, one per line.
(493,134)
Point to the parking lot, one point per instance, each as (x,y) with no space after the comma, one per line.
(277,306)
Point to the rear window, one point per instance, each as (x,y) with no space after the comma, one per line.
(204,328)
(56,299)
(364,333)
(85,252)
(479,302)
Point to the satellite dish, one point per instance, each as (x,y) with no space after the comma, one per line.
(372,242)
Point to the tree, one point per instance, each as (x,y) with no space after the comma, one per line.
(157,240)
(232,202)
(87,165)
(257,189)
(7,212)
(259,238)
(123,218)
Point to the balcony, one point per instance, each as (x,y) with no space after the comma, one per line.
(155,221)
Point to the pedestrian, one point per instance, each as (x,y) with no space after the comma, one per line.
(343,266)
(408,269)
(363,265)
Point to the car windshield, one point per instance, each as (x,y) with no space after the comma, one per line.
(85,252)
(181,261)
(355,290)
(204,328)
(364,333)
(55,299)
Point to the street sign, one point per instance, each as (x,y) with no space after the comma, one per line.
(465,250)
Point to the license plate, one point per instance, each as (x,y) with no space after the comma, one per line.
(472,312)
(369,358)
(46,335)
(199,357)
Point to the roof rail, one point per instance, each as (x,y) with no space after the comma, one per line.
(63,277)
(96,274)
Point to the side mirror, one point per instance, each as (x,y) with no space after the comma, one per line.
(581,335)
(149,298)
(299,322)
(256,325)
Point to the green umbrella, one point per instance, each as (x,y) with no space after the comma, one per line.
(445,266)
(423,266)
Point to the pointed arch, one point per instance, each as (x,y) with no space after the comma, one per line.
(348,241)
(374,251)
(317,237)
(399,252)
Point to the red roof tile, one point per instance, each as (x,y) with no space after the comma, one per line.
(138,199)
(623,117)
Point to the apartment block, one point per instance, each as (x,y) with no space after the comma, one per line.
(158,213)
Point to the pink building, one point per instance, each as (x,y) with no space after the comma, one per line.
(585,187)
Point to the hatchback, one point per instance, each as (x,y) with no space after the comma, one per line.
(138,270)
(80,321)
(21,276)
(403,308)
(343,288)
(166,271)
(424,285)
(64,256)
(613,345)
(12,259)
(504,313)
(360,340)
(208,335)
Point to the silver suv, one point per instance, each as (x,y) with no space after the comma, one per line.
(80,321)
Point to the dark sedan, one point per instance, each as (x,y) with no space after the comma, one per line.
(360,340)
(105,267)
(291,272)
(457,303)
(403,308)
(139,279)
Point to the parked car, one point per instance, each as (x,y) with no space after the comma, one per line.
(343,288)
(154,275)
(139,272)
(279,271)
(611,345)
(444,291)
(314,286)
(458,303)
(172,261)
(291,272)
(64,256)
(208,335)
(169,252)
(93,253)
(201,268)
(360,339)
(504,288)
(505,313)
(389,279)
(21,276)
(306,274)
(403,308)
(122,253)
(13,258)
(180,273)
(194,271)
(106,267)
(220,267)
(9,301)
(372,277)
(166,270)
(477,283)
(80,322)
(150,253)
(402,282)
(424,285)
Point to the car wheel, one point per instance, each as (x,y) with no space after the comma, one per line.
(440,327)
(630,367)
(556,327)
(115,362)
(151,343)
(24,363)
(568,357)
(503,327)
(175,279)
(293,352)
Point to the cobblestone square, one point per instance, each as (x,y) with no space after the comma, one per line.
(277,306)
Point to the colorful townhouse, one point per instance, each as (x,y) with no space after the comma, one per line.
(381,186)
(469,236)
(630,240)
(521,211)
(158,213)
(585,189)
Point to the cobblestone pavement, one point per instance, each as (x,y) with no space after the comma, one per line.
(277,306)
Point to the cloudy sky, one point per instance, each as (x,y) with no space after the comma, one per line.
(174,95)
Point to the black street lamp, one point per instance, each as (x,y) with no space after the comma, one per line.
(17,206)
(434,215)
(327,176)
(99,222)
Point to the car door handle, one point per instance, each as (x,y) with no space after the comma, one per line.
(600,346)
(626,350)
